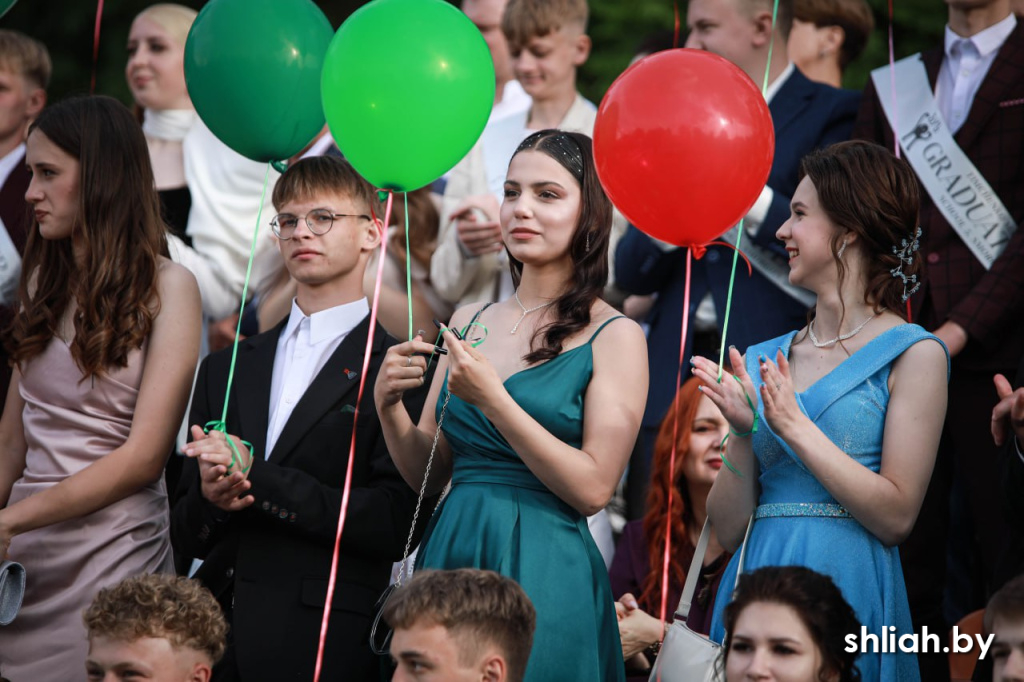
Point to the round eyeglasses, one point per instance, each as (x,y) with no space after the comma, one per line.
(319,221)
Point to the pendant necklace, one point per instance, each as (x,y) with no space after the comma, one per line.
(526,311)
(841,337)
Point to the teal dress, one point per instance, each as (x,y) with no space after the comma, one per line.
(499,516)
(798,522)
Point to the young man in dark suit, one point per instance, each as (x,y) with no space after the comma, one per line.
(806,116)
(266,534)
(978,81)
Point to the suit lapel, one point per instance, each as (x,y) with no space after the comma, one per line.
(337,381)
(253,375)
(1007,72)
(789,101)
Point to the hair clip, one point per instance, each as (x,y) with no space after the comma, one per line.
(905,253)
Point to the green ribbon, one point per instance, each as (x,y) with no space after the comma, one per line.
(236,456)
(751,432)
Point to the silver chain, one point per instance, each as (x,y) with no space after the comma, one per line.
(423,491)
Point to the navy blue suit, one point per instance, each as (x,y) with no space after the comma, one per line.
(806,116)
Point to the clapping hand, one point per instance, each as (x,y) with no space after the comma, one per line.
(733,396)
(778,396)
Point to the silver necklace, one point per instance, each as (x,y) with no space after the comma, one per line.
(841,337)
(526,311)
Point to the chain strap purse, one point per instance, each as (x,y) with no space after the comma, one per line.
(687,656)
(380,634)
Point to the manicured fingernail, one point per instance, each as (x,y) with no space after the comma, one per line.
(732,347)
(700,388)
(761,358)
(692,363)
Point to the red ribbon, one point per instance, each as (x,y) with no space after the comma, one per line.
(675,30)
(700,249)
(352,445)
(96,46)
(675,438)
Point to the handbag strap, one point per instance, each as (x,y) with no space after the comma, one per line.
(426,475)
(690,586)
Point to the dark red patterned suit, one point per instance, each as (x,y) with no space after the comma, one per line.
(989,305)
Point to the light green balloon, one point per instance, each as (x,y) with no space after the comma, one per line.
(6,5)
(252,68)
(407,88)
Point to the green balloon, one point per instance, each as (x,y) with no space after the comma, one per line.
(252,68)
(6,5)
(407,89)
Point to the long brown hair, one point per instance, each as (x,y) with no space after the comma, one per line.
(114,286)
(588,248)
(864,189)
(684,408)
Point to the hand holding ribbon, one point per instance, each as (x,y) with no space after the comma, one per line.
(214,453)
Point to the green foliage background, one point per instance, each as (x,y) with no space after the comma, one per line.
(617,27)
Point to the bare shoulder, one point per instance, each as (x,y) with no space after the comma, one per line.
(172,276)
(925,363)
(175,283)
(619,336)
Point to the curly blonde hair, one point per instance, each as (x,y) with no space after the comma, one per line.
(159,606)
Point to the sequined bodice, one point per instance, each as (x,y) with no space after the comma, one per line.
(848,404)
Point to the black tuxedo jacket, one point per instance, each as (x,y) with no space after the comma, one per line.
(269,564)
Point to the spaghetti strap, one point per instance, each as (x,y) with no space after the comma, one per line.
(477,315)
(606,323)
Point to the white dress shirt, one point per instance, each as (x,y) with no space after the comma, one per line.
(965,66)
(305,345)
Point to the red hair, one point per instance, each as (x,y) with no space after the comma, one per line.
(683,408)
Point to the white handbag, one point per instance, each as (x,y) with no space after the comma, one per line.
(687,656)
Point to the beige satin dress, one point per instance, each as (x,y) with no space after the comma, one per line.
(69,424)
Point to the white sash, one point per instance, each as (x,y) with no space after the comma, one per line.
(10,268)
(959,191)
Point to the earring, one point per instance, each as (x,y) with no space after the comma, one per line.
(842,248)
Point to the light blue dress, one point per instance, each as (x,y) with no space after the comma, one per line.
(798,522)
(499,516)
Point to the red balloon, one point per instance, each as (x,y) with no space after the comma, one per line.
(683,145)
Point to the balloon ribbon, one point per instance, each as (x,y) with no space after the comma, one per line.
(666,559)
(96,46)
(332,579)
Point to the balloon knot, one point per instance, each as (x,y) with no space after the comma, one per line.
(279,166)
(698,250)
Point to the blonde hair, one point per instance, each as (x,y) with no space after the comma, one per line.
(175,19)
(159,606)
(26,56)
(525,20)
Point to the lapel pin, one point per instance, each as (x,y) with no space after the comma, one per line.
(350,374)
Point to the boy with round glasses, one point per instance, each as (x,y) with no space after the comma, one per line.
(264,519)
